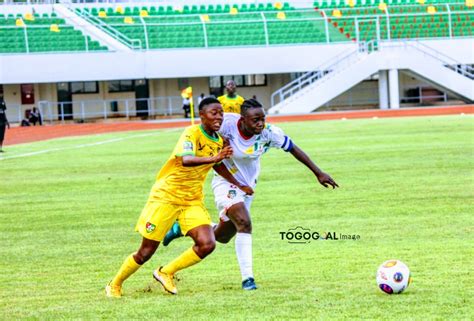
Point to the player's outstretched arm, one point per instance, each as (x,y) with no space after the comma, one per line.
(189,160)
(323,178)
(222,170)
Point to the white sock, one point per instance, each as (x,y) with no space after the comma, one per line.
(243,249)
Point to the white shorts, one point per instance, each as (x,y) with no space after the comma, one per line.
(226,195)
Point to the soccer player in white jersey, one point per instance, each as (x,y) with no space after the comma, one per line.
(250,138)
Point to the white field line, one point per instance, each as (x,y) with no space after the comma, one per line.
(109,141)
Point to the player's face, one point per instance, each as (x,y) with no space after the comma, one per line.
(254,120)
(230,87)
(212,116)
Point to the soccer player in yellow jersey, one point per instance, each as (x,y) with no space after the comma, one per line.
(177,195)
(231,102)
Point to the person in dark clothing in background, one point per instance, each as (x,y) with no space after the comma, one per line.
(35,117)
(3,121)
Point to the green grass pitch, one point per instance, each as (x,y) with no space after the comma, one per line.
(68,212)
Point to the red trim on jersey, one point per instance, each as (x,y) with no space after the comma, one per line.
(240,132)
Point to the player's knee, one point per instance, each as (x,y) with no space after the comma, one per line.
(244,226)
(144,254)
(223,239)
(206,248)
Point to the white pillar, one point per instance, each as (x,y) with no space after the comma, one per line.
(383,89)
(393,85)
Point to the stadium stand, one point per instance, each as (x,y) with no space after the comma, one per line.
(324,4)
(406,21)
(281,24)
(193,26)
(42,33)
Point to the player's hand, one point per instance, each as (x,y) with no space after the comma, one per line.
(247,189)
(226,152)
(8,125)
(226,142)
(326,180)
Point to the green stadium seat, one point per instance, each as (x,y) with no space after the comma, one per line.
(408,20)
(40,38)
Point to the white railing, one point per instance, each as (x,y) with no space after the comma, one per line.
(328,25)
(165,107)
(85,110)
(447,61)
(354,23)
(110,30)
(324,71)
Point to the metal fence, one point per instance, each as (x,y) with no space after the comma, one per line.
(168,107)
(90,110)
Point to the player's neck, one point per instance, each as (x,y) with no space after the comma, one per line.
(242,131)
(211,133)
(233,95)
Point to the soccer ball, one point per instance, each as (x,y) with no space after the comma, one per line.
(393,277)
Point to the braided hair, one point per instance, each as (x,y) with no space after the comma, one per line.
(248,104)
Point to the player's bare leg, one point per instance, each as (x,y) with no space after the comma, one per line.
(204,240)
(146,250)
(224,231)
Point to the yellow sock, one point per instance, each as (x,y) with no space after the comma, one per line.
(128,267)
(188,258)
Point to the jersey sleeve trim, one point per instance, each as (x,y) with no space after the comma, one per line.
(185,154)
(287,144)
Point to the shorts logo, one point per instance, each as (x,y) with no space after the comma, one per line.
(150,227)
(232,194)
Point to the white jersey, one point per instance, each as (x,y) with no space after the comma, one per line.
(245,162)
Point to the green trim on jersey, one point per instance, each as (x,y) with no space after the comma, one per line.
(214,139)
(232,98)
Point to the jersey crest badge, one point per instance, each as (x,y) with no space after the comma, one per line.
(232,193)
(187,146)
(150,227)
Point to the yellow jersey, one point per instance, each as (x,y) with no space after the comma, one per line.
(180,185)
(231,104)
